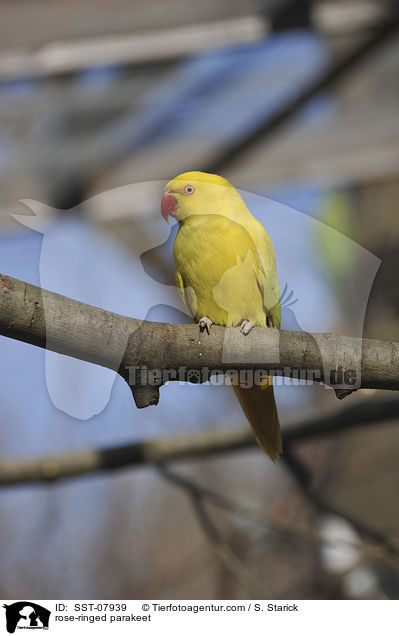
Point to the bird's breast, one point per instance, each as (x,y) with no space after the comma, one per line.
(216,259)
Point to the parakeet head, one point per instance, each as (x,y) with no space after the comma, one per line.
(196,193)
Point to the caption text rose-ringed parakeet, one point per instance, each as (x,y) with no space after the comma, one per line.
(226,270)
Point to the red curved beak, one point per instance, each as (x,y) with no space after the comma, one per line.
(168,206)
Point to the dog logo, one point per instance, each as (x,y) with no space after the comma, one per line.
(26,615)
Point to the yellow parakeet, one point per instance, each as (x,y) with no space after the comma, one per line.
(226,270)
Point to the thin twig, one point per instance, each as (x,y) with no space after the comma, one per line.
(303,479)
(226,555)
(291,530)
(223,551)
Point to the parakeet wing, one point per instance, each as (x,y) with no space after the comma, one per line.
(268,271)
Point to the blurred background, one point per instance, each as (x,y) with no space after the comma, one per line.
(296,102)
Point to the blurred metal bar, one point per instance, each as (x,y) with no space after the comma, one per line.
(161,45)
(165,45)
(335,72)
(338,18)
(359,147)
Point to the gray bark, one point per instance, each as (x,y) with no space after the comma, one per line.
(72,328)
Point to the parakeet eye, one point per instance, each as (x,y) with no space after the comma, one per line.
(189,189)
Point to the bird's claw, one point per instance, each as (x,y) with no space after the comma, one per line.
(205,323)
(246,327)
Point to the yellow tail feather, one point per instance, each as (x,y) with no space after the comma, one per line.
(259,406)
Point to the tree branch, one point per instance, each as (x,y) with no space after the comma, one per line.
(22,471)
(129,346)
(66,466)
(58,323)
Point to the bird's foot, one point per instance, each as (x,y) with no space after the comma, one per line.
(246,327)
(205,323)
